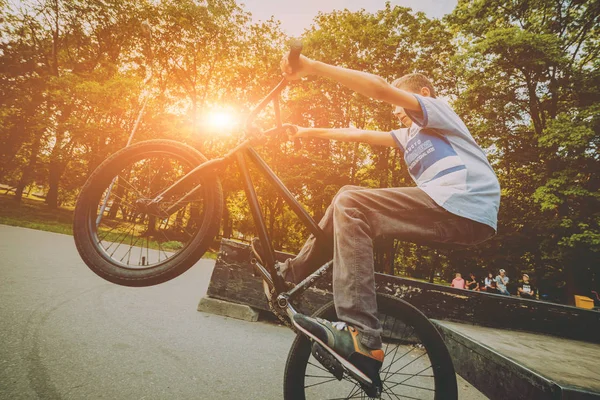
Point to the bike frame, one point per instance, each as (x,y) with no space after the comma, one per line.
(239,154)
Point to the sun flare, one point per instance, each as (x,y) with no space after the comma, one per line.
(221,120)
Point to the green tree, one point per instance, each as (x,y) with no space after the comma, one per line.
(528,87)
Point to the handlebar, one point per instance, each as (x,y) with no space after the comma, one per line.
(294,56)
(294,59)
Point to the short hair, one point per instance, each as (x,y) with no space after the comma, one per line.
(414,83)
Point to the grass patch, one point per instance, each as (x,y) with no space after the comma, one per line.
(35,214)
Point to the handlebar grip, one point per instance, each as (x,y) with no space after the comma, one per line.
(294,56)
(289,129)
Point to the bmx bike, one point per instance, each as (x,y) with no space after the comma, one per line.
(150,211)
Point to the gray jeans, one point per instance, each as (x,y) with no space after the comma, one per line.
(356,216)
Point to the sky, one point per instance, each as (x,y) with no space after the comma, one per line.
(297,15)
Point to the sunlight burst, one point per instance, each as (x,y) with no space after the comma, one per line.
(221,120)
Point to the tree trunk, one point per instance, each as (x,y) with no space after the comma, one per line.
(570,286)
(28,171)
(384,254)
(57,157)
(54,174)
(534,109)
(227,226)
(434,264)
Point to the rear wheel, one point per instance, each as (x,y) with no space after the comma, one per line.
(126,240)
(417,364)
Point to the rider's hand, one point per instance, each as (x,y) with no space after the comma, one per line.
(305,66)
(298,132)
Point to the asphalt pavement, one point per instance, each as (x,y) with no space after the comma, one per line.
(65,333)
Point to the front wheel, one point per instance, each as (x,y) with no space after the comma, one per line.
(127,240)
(417,364)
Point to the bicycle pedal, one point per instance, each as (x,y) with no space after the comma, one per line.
(328,361)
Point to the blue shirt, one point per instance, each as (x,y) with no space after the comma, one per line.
(446,163)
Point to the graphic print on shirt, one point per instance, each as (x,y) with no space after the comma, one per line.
(431,157)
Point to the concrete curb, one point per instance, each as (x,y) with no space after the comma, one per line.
(227,309)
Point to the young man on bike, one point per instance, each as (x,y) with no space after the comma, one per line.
(456,201)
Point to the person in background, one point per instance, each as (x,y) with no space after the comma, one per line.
(489,284)
(458,282)
(501,282)
(472,283)
(526,290)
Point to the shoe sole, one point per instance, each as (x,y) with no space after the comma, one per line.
(349,366)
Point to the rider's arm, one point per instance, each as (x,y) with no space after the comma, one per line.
(375,138)
(367,84)
(362,82)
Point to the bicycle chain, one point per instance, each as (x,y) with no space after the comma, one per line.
(284,319)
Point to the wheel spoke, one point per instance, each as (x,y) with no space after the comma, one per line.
(413,362)
(128,253)
(119,235)
(394,361)
(123,201)
(388,391)
(354,391)
(320,383)
(107,233)
(404,373)
(318,376)
(131,186)
(408,385)
(397,347)
(122,240)
(404,396)
(402,383)
(157,174)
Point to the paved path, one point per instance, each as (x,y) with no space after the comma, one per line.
(67,334)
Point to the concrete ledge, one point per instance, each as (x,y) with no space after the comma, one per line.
(228,309)
(505,364)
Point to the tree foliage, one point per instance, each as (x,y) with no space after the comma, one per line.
(529,82)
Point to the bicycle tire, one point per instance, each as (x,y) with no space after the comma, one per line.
(96,185)
(296,386)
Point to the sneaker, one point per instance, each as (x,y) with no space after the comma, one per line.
(343,341)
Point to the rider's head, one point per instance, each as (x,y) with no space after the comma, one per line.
(414,83)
